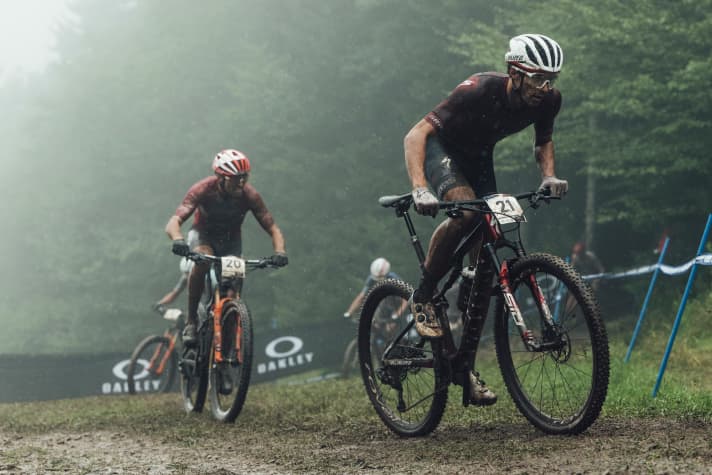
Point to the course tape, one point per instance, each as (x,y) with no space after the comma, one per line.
(702,260)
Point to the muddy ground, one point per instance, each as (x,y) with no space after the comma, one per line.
(610,446)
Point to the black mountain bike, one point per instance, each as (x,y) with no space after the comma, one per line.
(219,365)
(550,340)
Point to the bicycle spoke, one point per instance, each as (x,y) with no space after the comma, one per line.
(561,387)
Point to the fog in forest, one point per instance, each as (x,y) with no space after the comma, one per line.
(100,145)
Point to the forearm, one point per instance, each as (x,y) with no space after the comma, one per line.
(277,239)
(173,228)
(355,304)
(414,147)
(544,155)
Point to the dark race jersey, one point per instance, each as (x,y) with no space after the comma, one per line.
(477,114)
(217,214)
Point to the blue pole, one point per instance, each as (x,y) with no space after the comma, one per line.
(647,300)
(675,326)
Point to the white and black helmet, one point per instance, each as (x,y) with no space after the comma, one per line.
(533,53)
(379,268)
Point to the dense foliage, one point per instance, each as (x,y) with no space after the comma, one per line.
(99,150)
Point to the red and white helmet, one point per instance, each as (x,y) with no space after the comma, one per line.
(532,54)
(231,162)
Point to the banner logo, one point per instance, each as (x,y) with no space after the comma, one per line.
(284,353)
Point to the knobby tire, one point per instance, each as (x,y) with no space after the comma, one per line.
(424,389)
(226,407)
(154,345)
(560,391)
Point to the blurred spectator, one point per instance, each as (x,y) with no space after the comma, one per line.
(586,262)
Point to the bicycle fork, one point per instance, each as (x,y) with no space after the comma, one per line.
(218,356)
(510,302)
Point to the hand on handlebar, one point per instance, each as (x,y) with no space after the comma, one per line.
(159,307)
(279,259)
(558,187)
(425,202)
(180,247)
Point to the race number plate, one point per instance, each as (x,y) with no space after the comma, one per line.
(505,208)
(232,267)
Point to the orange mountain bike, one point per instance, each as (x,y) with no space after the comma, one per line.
(220,363)
(154,361)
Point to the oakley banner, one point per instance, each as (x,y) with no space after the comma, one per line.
(277,354)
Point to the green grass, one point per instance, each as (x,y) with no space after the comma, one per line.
(685,393)
(342,405)
(330,426)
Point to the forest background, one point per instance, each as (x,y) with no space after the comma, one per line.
(99,149)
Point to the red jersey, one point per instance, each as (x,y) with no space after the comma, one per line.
(219,214)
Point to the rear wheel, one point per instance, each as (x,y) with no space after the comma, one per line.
(560,383)
(194,370)
(350,362)
(403,372)
(152,367)
(230,379)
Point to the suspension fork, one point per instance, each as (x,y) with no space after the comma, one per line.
(218,356)
(217,327)
(541,301)
(508,296)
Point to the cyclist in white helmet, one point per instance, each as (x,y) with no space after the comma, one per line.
(449,156)
(185,267)
(380,270)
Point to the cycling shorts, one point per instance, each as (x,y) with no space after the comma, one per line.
(223,244)
(445,172)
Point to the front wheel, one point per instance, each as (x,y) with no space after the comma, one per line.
(403,373)
(230,379)
(152,367)
(559,378)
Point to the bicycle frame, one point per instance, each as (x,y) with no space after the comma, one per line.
(490,234)
(222,290)
(172,335)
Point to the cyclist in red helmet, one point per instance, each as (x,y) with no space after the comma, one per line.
(220,203)
(451,149)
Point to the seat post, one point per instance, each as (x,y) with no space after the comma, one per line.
(403,212)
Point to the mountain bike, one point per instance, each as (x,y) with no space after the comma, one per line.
(350,360)
(219,364)
(550,340)
(154,362)
(382,332)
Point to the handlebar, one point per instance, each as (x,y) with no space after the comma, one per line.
(534,198)
(405,200)
(260,263)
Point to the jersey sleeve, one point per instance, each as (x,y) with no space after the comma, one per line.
(544,126)
(259,209)
(461,100)
(190,201)
(370,282)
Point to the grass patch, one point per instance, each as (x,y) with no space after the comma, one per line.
(337,404)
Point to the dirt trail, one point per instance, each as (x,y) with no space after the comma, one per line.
(611,446)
